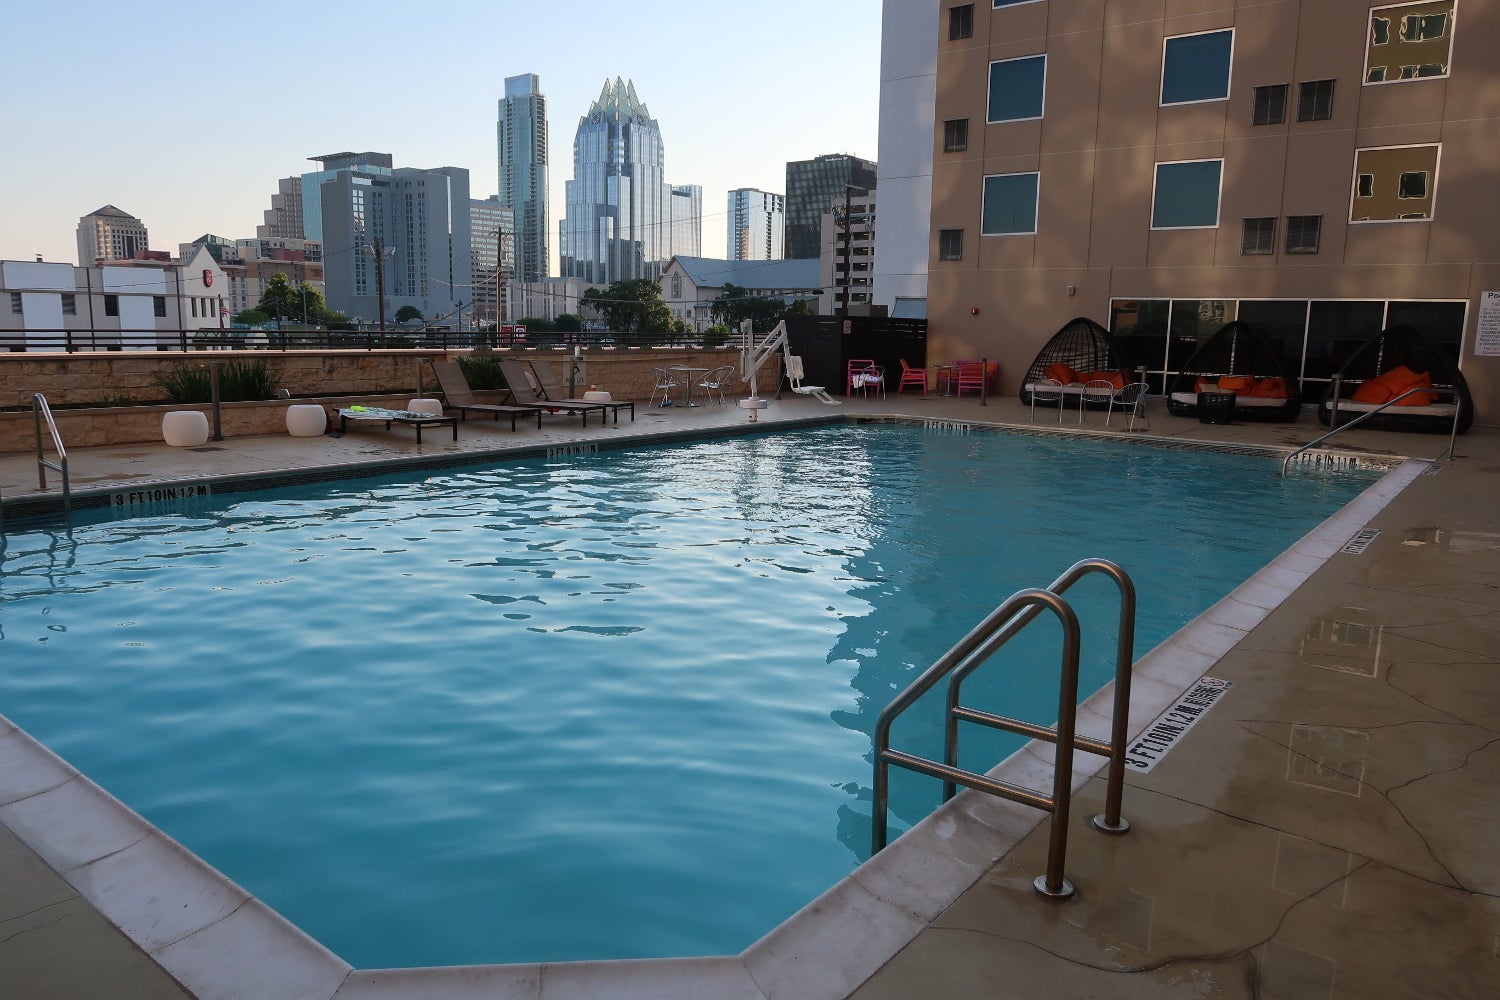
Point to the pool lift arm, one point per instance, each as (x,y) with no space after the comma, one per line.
(753,355)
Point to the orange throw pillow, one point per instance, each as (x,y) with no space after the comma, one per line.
(1418,398)
(1372,391)
(1270,388)
(1236,383)
(1115,379)
(1061,372)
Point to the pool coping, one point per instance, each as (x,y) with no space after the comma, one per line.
(219,941)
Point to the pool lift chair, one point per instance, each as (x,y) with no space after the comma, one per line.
(753,355)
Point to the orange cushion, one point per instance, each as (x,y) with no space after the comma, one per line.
(1269,388)
(1236,383)
(1061,372)
(1418,398)
(1115,379)
(1372,391)
(1401,378)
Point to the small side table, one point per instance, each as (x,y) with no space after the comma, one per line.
(306,420)
(1216,407)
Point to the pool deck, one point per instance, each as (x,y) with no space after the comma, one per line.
(1327,829)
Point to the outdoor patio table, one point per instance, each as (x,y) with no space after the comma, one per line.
(692,375)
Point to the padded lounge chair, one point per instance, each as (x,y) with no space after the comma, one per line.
(1396,347)
(526,389)
(458,396)
(1238,359)
(1086,350)
(552,390)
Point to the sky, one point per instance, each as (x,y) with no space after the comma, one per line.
(186,115)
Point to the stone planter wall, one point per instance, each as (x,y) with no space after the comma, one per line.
(375,378)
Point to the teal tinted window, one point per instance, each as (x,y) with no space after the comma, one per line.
(1196,67)
(1016,87)
(1187,194)
(1009,204)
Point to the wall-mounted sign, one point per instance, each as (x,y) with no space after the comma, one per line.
(1487,339)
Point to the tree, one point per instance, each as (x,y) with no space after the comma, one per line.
(252,317)
(291,303)
(568,322)
(627,306)
(735,304)
(408,313)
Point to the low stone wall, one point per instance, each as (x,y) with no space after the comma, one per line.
(333,378)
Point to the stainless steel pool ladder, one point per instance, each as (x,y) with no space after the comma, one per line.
(1337,428)
(998,628)
(41,411)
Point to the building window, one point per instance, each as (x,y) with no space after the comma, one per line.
(1196,67)
(1010,3)
(1186,195)
(955,135)
(159,305)
(1009,204)
(1315,101)
(1394,184)
(1409,41)
(1258,236)
(111,305)
(950,244)
(1017,88)
(69,304)
(1302,233)
(1270,105)
(961,22)
(15,303)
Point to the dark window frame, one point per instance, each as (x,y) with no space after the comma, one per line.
(950,244)
(1315,100)
(1258,236)
(1269,107)
(1304,234)
(956,135)
(960,22)
(112,305)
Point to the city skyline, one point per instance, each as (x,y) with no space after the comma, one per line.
(173,141)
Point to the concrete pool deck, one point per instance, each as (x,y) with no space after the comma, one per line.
(1324,831)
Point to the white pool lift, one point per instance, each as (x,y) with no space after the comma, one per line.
(753,355)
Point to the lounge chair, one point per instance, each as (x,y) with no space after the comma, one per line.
(526,390)
(552,390)
(458,396)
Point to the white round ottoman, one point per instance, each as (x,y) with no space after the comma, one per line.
(184,428)
(425,406)
(305,420)
(597,396)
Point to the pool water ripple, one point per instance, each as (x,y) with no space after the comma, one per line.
(617,706)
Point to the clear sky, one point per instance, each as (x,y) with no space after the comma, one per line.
(186,114)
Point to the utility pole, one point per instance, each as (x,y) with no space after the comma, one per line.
(380,252)
(848,240)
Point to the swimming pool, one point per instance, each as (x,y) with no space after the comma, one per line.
(339,695)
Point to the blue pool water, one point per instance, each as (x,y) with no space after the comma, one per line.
(611,706)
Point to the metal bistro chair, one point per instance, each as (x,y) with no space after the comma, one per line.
(665,381)
(1133,398)
(1095,390)
(869,378)
(1047,390)
(912,376)
(715,381)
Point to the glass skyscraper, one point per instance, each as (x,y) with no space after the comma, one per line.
(812,187)
(623,220)
(521,138)
(756,221)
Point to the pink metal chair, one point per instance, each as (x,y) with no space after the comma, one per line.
(970,376)
(856,367)
(912,376)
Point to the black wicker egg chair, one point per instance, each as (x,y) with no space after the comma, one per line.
(1083,346)
(1393,348)
(1240,352)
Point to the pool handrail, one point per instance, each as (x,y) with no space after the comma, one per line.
(41,411)
(1336,427)
(983,640)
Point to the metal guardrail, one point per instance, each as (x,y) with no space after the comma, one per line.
(96,340)
(998,628)
(41,411)
(1337,428)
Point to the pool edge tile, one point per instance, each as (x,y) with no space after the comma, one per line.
(253,952)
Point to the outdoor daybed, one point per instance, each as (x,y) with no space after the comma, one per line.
(1237,359)
(1397,359)
(1082,351)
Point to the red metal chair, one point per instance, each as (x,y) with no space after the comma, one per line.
(856,367)
(970,376)
(912,376)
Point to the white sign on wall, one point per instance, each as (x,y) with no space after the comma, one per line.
(1487,339)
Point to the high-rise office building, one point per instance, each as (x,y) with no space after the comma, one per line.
(492,228)
(813,185)
(110,234)
(370,164)
(623,220)
(407,232)
(756,221)
(283,220)
(521,138)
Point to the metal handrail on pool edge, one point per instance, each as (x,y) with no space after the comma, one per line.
(996,629)
(1333,419)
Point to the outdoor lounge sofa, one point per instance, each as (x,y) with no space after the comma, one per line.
(1080,352)
(1237,359)
(1394,360)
